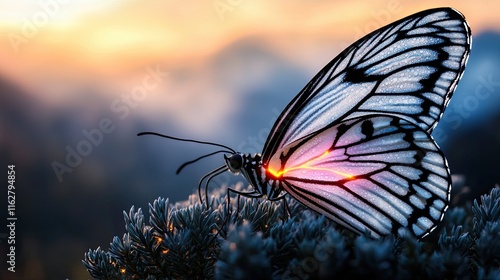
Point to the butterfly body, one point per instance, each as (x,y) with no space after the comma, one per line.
(250,166)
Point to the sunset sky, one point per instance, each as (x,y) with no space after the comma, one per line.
(54,49)
(105,43)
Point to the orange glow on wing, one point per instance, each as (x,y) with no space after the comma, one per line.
(306,165)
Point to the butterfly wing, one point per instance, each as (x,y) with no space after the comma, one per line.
(380,173)
(407,69)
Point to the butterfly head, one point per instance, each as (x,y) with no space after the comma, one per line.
(234,162)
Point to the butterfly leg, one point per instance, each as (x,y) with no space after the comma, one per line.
(286,209)
(209,175)
(237,207)
(252,194)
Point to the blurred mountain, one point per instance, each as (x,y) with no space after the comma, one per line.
(265,83)
(59,220)
(469,132)
(478,93)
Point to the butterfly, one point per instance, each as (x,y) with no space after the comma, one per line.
(355,143)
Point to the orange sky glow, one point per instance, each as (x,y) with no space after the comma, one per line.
(74,43)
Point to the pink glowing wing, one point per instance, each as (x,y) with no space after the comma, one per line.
(377,173)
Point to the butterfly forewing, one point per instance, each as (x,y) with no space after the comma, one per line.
(380,173)
(408,69)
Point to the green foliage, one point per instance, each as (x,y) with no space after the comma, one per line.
(190,241)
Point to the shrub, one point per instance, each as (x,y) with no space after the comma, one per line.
(189,240)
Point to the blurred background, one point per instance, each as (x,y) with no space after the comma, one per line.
(79,80)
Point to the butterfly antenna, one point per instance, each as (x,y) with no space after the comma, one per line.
(187,140)
(197,159)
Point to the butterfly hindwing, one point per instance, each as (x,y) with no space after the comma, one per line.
(380,173)
(407,69)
